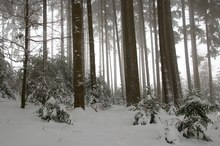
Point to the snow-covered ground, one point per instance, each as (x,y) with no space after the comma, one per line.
(22,127)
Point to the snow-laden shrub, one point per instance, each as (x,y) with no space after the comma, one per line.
(170,134)
(172,110)
(150,105)
(53,111)
(140,119)
(195,120)
(6,79)
(100,97)
(55,82)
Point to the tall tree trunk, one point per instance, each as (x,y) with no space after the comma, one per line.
(26,54)
(208,42)
(130,53)
(141,64)
(52,27)
(44,35)
(152,44)
(68,27)
(114,63)
(78,72)
(62,31)
(102,52)
(145,52)
(100,40)
(156,51)
(91,45)
(186,46)
(119,53)
(106,44)
(193,45)
(3,34)
(170,73)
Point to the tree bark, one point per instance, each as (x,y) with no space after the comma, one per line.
(193,45)
(69,43)
(78,72)
(130,53)
(62,31)
(186,46)
(91,46)
(26,54)
(170,73)
(44,35)
(106,45)
(119,54)
(156,51)
(208,42)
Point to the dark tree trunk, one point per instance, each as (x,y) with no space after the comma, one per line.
(170,73)
(156,50)
(26,54)
(78,72)
(44,35)
(130,53)
(91,46)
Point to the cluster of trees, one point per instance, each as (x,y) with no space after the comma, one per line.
(126,40)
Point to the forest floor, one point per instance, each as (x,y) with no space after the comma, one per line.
(113,127)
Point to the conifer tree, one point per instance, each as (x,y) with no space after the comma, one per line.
(195,120)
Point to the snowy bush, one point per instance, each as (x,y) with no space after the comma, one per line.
(100,96)
(172,110)
(195,120)
(170,134)
(55,82)
(140,119)
(53,111)
(150,105)
(6,79)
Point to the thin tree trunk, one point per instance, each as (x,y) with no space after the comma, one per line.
(100,41)
(119,54)
(114,63)
(145,52)
(186,46)
(193,45)
(44,35)
(106,45)
(102,53)
(208,54)
(69,42)
(52,27)
(62,31)
(26,54)
(152,44)
(157,51)
(91,45)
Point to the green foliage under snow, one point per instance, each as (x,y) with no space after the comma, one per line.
(195,120)
(55,82)
(53,111)
(6,79)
